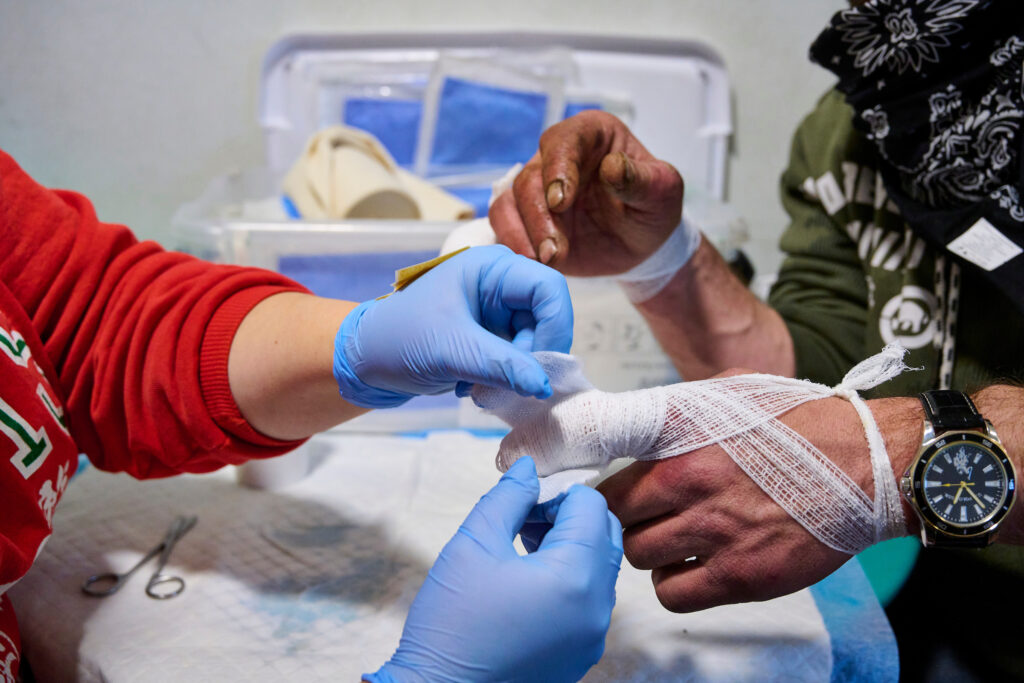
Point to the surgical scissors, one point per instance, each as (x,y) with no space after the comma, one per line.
(160,586)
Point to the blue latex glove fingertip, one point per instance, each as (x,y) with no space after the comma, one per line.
(522,469)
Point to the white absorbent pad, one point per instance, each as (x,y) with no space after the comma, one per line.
(579,431)
(312,582)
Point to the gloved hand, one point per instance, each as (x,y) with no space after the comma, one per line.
(486,613)
(473,318)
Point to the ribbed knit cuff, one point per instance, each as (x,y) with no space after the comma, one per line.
(213,364)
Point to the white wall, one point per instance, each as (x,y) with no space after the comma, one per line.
(138,104)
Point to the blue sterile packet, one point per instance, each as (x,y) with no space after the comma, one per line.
(353,277)
(395,122)
(486,112)
(482,124)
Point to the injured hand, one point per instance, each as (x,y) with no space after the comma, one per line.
(577,432)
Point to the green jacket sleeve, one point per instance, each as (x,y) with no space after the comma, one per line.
(821,292)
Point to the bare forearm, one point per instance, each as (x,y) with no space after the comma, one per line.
(707,321)
(280,366)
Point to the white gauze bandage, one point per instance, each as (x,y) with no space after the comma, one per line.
(576,433)
(650,276)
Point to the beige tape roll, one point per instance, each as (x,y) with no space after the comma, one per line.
(346,173)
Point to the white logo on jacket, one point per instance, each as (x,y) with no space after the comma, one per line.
(909,318)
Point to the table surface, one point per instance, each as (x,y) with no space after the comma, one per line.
(312,582)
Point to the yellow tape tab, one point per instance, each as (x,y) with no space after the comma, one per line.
(405,276)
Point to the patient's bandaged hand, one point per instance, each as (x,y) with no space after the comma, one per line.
(578,427)
(576,433)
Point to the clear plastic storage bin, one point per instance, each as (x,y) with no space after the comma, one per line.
(674,94)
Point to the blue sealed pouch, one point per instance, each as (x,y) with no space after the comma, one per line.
(482,114)
(482,124)
(393,121)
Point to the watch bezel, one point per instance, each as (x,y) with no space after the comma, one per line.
(929,516)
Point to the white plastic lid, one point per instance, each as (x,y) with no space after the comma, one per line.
(679,90)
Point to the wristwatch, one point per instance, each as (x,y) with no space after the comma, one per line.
(961,484)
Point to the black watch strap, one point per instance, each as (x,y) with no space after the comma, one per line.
(951,410)
(983,541)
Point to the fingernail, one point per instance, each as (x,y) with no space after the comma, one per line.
(547,250)
(555,194)
(628,172)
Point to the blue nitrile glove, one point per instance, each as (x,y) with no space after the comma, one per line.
(486,613)
(473,318)
(539,522)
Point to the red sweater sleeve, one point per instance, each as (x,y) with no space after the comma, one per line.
(138,337)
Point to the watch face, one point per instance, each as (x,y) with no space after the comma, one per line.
(964,483)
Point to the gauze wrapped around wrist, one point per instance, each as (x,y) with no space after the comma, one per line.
(649,277)
(581,430)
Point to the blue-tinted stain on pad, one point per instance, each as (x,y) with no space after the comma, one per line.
(353,277)
(396,123)
(289,207)
(482,124)
(863,644)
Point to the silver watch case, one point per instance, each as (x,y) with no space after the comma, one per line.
(934,530)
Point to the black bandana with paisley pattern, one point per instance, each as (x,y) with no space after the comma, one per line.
(938,85)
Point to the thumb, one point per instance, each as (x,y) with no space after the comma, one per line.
(582,524)
(644,185)
(488,359)
(496,519)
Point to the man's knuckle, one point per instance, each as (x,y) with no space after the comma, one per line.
(551,134)
(640,553)
(671,599)
(521,183)
(741,581)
